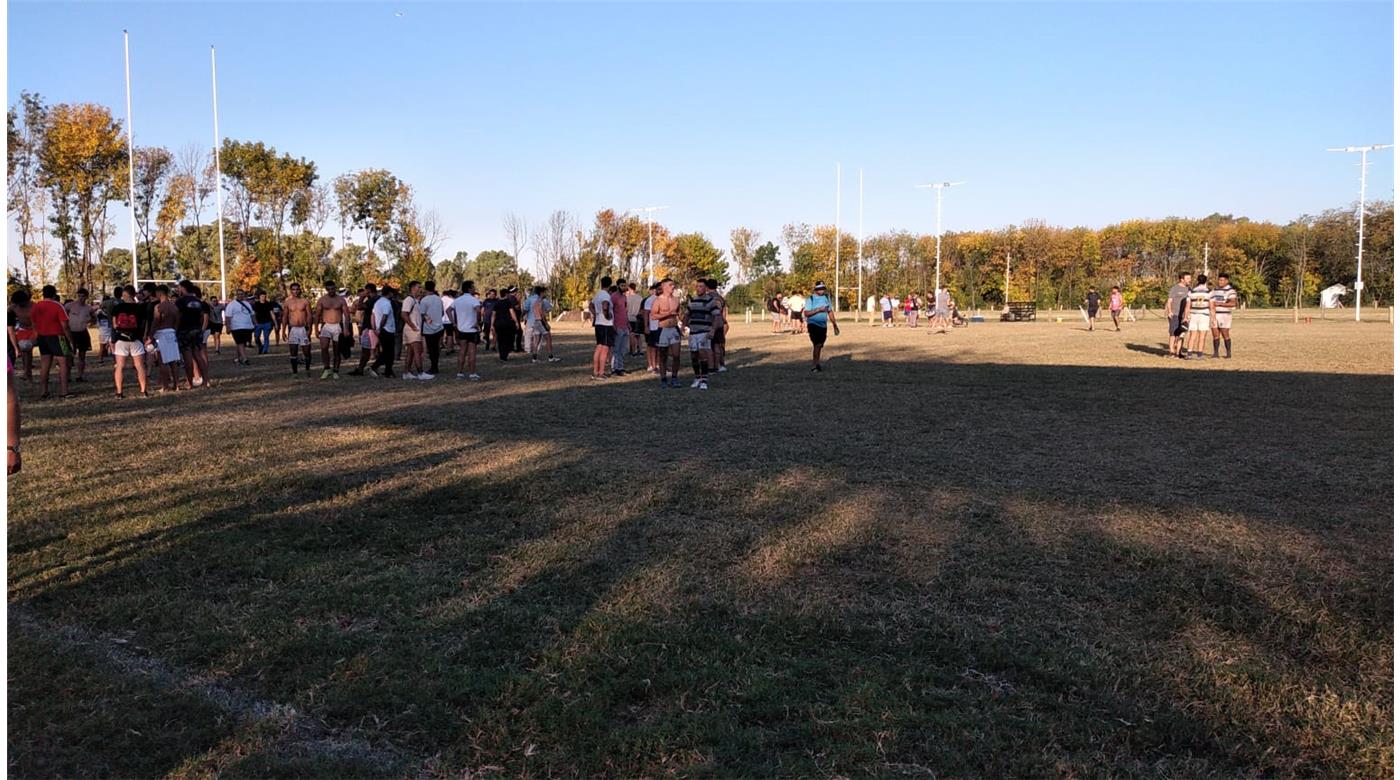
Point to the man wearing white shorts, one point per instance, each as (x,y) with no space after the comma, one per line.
(130,331)
(296,313)
(1222,312)
(702,313)
(1199,324)
(164,319)
(666,311)
(333,315)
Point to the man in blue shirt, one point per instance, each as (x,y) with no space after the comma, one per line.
(815,312)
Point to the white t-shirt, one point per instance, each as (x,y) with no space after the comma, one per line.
(886,304)
(432,309)
(599,318)
(413,312)
(646,307)
(239,315)
(382,316)
(466,310)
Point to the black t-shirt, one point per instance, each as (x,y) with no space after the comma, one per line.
(1093,298)
(504,305)
(367,313)
(191,313)
(262,312)
(129,321)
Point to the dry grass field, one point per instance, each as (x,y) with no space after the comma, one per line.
(1008,550)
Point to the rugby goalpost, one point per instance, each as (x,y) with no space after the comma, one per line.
(136,281)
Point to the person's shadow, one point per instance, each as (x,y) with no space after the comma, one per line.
(1160,351)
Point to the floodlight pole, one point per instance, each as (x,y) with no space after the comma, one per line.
(130,155)
(218,177)
(1361,214)
(938,236)
(1206,262)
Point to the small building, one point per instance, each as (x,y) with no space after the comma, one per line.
(1332,296)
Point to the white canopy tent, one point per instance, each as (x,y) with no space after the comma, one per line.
(1332,296)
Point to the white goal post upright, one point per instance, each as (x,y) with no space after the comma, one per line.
(218,177)
(1360,214)
(130,155)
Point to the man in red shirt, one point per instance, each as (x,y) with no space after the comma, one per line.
(51,325)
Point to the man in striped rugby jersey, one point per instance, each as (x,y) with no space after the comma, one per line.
(702,313)
(1222,311)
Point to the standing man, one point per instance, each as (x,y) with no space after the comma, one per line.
(369,339)
(449,339)
(79,315)
(239,314)
(720,332)
(216,324)
(296,312)
(653,330)
(634,320)
(622,332)
(507,323)
(433,317)
(413,333)
(193,320)
(1115,305)
(1200,317)
(816,309)
(942,308)
(103,315)
(386,332)
(262,322)
(795,303)
(51,326)
(333,315)
(131,330)
(666,311)
(1176,312)
(165,315)
(537,309)
(488,316)
(1091,306)
(601,309)
(1222,311)
(466,318)
(702,315)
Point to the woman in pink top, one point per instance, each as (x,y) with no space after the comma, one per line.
(1115,305)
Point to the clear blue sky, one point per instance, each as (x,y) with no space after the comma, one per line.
(737,114)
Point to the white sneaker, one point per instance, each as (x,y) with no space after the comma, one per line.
(474,377)
(427,377)
(723,369)
(694,384)
(460,375)
(409,376)
(704,385)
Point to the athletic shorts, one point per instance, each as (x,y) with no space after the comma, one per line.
(603,335)
(104,334)
(1174,326)
(777,316)
(1093,313)
(330,331)
(168,345)
(652,336)
(539,328)
(668,337)
(472,337)
(940,313)
(49,345)
(1115,312)
(1223,319)
(1200,321)
(699,342)
(888,315)
(216,327)
(796,316)
(82,340)
(191,339)
(244,337)
(128,349)
(26,338)
(297,337)
(412,336)
(817,333)
(635,326)
(717,337)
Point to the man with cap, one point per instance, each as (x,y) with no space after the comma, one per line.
(815,312)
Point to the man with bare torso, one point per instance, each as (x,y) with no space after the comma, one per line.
(334,317)
(165,316)
(296,312)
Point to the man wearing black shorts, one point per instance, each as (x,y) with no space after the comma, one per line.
(815,312)
(1091,305)
(602,309)
(1176,310)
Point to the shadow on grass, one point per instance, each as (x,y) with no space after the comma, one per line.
(965,569)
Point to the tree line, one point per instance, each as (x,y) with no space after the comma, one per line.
(68,162)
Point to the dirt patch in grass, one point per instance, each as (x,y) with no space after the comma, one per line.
(1010,549)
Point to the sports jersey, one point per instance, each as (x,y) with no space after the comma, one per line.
(1200,299)
(701,313)
(1224,298)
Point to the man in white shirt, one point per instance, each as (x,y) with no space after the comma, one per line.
(601,309)
(382,321)
(449,340)
(537,309)
(239,316)
(652,328)
(795,303)
(433,310)
(466,319)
